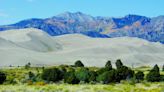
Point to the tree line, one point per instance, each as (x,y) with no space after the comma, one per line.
(78,73)
(107,74)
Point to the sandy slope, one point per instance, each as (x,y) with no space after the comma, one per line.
(96,51)
(32,39)
(18,47)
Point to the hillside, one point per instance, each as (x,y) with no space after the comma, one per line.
(151,29)
(19,47)
(131,50)
(32,39)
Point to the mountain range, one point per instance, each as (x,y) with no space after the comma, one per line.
(151,29)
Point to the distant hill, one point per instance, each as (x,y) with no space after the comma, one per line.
(151,29)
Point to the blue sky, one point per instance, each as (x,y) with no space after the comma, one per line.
(12,11)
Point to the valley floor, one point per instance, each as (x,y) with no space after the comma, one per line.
(122,87)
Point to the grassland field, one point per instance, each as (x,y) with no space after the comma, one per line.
(16,83)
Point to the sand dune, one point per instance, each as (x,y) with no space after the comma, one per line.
(32,39)
(32,45)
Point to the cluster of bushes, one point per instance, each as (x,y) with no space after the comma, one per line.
(77,73)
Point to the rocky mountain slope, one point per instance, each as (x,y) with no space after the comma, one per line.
(151,29)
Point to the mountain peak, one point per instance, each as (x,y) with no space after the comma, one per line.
(70,14)
(130,19)
(133,15)
(78,16)
(79,13)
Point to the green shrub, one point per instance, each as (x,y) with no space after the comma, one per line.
(51,74)
(107,77)
(139,76)
(28,65)
(62,72)
(83,74)
(123,73)
(162,78)
(70,78)
(102,70)
(153,75)
(2,77)
(31,75)
(92,77)
(79,64)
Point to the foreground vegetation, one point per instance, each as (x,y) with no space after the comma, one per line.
(121,87)
(78,78)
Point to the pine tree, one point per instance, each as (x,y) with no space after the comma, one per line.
(119,64)
(154,74)
(79,64)
(108,65)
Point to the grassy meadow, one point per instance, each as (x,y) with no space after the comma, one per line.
(17,81)
(122,87)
